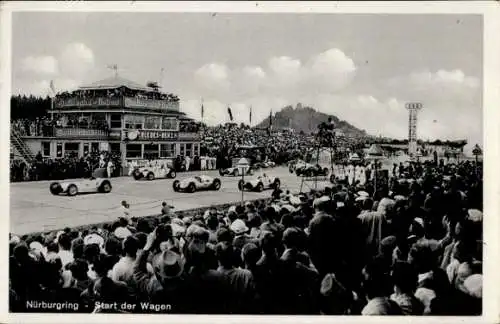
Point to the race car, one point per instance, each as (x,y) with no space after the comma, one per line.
(74,187)
(311,170)
(264,165)
(296,164)
(236,171)
(259,183)
(152,173)
(196,183)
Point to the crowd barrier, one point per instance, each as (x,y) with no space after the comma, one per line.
(183,213)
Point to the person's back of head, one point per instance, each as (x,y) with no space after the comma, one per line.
(291,238)
(130,246)
(225,254)
(250,255)
(212,222)
(405,278)
(77,248)
(375,281)
(113,246)
(79,269)
(268,243)
(52,247)
(64,242)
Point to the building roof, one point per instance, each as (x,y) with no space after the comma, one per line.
(114,83)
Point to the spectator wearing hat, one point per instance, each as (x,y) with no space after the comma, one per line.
(240,231)
(165,285)
(167,209)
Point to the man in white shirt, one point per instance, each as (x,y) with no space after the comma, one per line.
(123,270)
(64,242)
(188,162)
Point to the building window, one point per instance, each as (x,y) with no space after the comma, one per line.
(134,151)
(196,149)
(94,147)
(46,148)
(169,123)
(86,147)
(116,121)
(114,147)
(183,150)
(59,150)
(189,149)
(134,121)
(72,149)
(151,151)
(167,150)
(152,122)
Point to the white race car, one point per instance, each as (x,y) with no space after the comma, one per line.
(154,172)
(192,184)
(236,171)
(259,183)
(74,187)
(297,164)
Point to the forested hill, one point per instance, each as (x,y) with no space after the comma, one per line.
(307,119)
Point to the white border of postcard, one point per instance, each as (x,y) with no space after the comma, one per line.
(489,9)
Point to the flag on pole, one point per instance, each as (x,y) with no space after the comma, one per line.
(230,113)
(270,119)
(52,87)
(113,67)
(250,115)
(202,110)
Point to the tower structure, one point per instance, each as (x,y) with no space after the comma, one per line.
(413,109)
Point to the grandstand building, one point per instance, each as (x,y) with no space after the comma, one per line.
(114,115)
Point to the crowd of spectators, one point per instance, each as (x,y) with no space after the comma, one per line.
(70,166)
(412,247)
(118,93)
(40,126)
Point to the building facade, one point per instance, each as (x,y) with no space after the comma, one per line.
(118,116)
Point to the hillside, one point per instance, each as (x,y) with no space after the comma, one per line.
(306,119)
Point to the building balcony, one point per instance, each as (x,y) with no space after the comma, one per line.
(117,102)
(151,104)
(80,133)
(188,136)
(87,102)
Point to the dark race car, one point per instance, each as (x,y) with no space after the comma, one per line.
(312,170)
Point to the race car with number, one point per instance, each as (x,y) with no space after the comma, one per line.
(259,183)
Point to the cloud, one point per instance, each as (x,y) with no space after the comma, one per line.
(47,65)
(76,60)
(68,70)
(212,79)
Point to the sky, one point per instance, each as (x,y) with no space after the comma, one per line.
(362,68)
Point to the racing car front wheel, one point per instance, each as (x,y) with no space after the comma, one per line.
(241,184)
(332,178)
(172,174)
(191,188)
(105,187)
(221,172)
(137,175)
(55,188)
(276,184)
(325,171)
(176,185)
(72,190)
(259,187)
(236,172)
(216,184)
(151,176)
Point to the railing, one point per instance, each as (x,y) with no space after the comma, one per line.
(127,102)
(150,103)
(188,136)
(18,143)
(81,132)
(83,102)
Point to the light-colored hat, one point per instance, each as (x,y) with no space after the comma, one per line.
(37,247)
(320,200)
(122,232)
(363,194)
(475,215)
(232,209)
(289,208)
(239,227)
(399,198)
(473,285)
(94,239)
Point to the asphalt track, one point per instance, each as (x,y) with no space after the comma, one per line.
(33,208)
